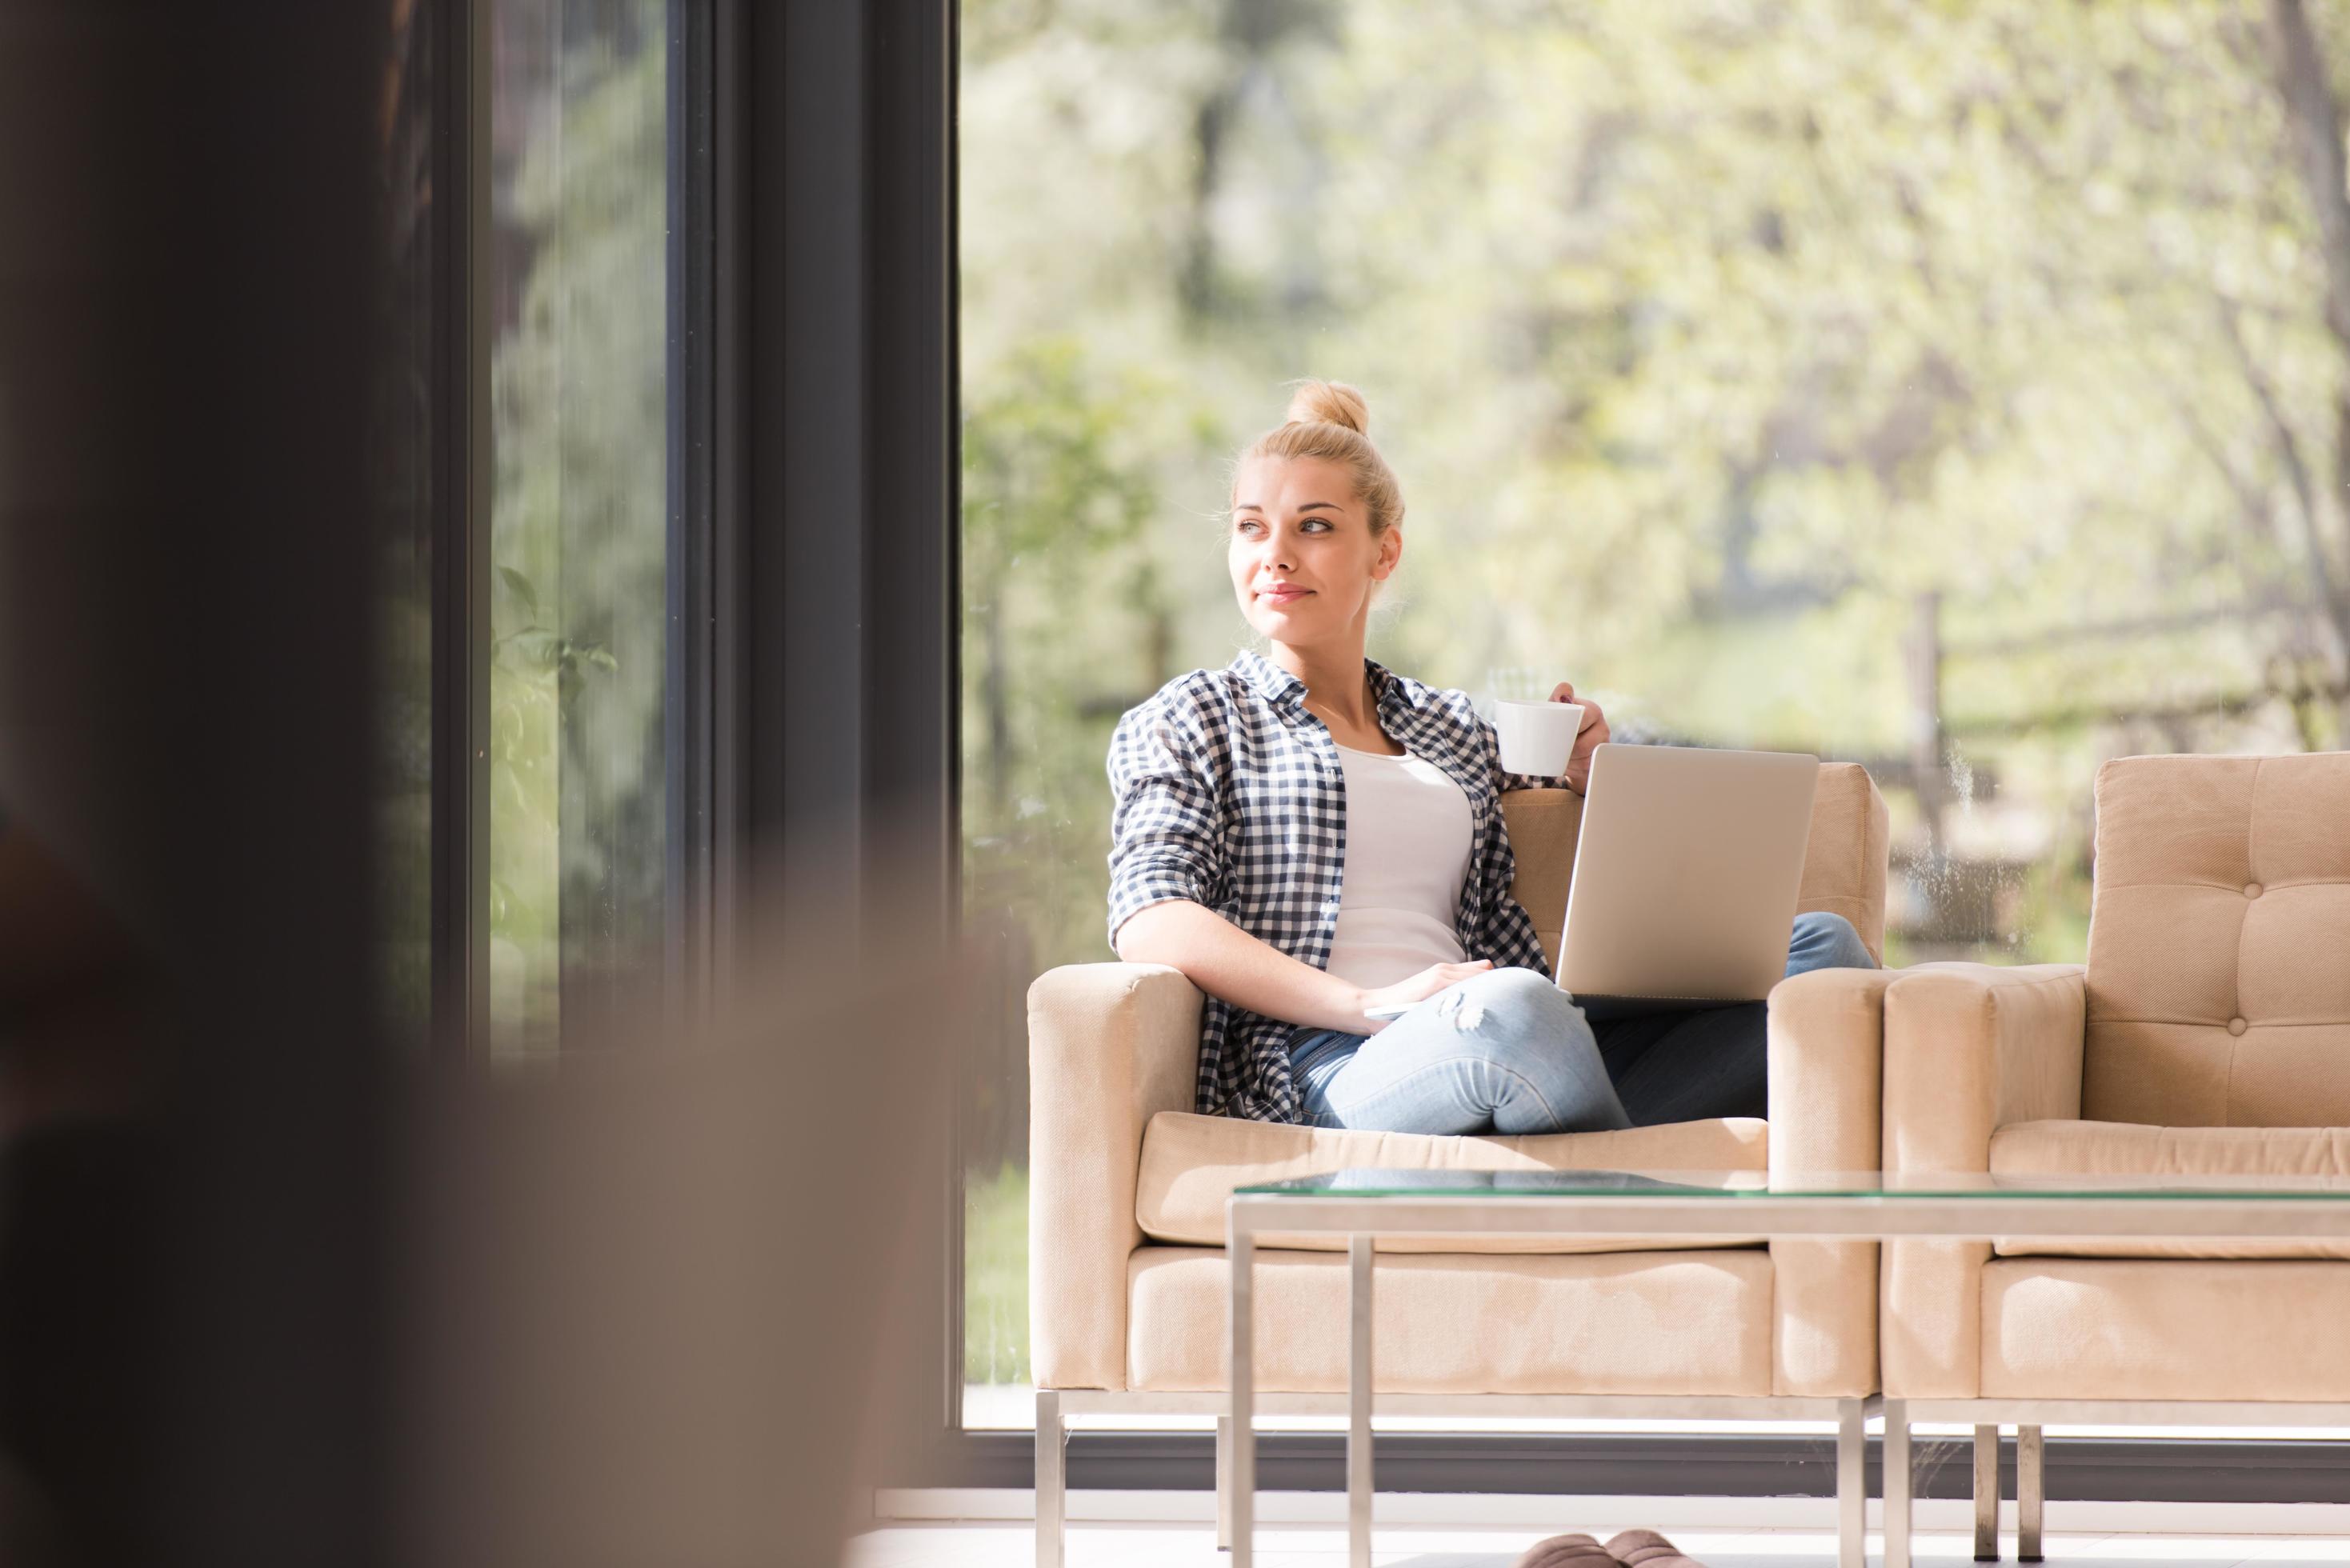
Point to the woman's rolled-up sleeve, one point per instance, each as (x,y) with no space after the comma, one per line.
(1164,835)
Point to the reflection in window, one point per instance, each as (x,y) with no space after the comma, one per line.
(1953,390)
(578,531)
(407,316)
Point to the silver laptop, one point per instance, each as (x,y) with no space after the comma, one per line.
(1687,870)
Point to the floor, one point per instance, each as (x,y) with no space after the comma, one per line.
(1101,1545)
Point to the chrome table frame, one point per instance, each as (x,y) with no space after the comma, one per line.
(1055,1406)
(1824,1216)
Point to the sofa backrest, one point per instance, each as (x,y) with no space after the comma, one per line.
(2219,985)
(1844,867)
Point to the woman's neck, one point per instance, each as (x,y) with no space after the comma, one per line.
(1336,680)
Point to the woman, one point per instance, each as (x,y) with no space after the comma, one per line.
(1308,833)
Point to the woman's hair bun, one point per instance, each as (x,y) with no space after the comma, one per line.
(1329,422)
(1330,403)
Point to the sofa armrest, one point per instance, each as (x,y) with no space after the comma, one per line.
(1968,1048)
(1827,1062)
(1826,1055)
(1110,1046)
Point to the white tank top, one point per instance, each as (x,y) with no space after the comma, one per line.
(1408,844)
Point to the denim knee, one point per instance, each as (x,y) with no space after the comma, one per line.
(1524,986)
(1822,940)
(1511,1002)
(1533,1032)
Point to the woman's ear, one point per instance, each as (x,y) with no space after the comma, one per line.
(1391,551)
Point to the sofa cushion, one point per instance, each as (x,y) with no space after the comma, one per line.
(1190,1164)
(2219,978)
(2135,1329)
(1653,1323)
(2060,1149)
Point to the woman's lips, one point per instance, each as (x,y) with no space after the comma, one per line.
(1283,595)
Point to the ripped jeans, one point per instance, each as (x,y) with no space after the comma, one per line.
(1507,1051)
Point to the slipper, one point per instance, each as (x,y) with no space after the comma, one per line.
(1646,1549)
(1566,1552)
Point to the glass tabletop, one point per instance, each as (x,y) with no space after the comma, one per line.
(1736,1184)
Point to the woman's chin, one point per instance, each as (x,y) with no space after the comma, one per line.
(1274,621)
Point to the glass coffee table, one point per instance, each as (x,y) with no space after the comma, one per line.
(1364,1204)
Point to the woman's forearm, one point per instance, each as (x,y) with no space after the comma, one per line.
(1224,961)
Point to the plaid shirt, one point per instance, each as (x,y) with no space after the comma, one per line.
(1228,792)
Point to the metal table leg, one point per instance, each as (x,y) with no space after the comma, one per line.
(2031,1490)
(1896,1483)
(1242,1251)
(1986,1494)
(1358,1403)
(1852,1483)
(1052,1492)
(1223,1483)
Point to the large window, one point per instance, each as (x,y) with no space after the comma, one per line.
(1956,389)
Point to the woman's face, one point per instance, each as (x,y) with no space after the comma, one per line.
(1302,556)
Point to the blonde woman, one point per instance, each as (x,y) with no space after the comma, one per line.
(1304,833)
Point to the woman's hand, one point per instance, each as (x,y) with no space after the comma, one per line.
(1588,739)
(1418,988)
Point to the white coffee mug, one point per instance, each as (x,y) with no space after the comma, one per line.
(1537,737)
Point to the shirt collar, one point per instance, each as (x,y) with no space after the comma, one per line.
(1284,689)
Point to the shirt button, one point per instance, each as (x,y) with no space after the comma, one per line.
(2236,1026)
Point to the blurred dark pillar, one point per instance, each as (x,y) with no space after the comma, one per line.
(193,1367)
(838,526)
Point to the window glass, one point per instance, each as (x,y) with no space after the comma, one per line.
(1946,388)
(579,520)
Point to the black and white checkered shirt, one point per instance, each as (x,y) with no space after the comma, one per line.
(1228,792)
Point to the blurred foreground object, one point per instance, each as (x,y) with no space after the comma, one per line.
(195,1356)
(663,1292)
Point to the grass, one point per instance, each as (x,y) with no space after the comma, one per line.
(995,1276)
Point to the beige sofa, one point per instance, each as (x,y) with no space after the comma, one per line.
(1126,1189)
(2208,1033)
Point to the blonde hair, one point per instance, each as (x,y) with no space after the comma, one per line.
(1329,420)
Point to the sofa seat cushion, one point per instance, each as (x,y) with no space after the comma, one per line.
(1190,1164)
(2061,1148)
(1649,1322)
(2140,1328)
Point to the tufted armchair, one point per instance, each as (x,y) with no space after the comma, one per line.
(2208,1033)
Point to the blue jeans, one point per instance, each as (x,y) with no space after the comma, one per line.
(1507,1051)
